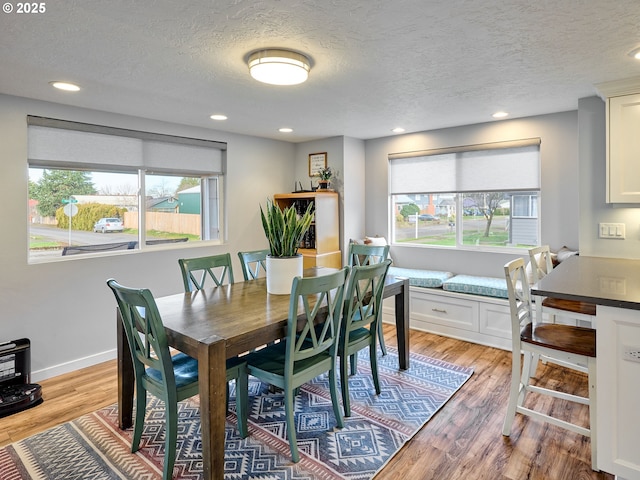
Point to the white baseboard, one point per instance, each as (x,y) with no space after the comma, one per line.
(77,364)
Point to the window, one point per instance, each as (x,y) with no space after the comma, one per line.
(98,189)
(480,196)
(525,206)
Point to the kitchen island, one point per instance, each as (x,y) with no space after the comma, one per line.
(614,286)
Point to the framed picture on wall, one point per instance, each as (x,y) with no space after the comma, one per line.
(317,162)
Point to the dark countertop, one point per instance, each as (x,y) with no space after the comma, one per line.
(614,282)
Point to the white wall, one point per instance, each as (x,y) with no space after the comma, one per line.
(593,208)
(345,156)
(335,157)
(65,308)
(559,184)
(354,193)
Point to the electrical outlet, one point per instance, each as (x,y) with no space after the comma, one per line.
(631,353)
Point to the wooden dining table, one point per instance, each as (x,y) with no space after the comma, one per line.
(217,323)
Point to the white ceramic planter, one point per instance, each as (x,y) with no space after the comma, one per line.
(280,273)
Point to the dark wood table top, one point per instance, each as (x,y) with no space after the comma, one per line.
(243,314)
(613,282)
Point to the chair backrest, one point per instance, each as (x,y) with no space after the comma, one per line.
(360,255)
(144,330)
(195,271)
(316,330)
(253,263)
(519,298)
(540,261)
(363,298)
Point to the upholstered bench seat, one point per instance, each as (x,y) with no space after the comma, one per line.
(486,286)
(468,307)
(422,278)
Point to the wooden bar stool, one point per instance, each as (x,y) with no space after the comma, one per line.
(560,343)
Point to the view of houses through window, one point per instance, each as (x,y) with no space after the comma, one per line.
(481,219)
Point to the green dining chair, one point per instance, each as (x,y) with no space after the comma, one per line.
(360,255)
(253,262)
(170,378)
(361,315)
(310,347)
(195,271)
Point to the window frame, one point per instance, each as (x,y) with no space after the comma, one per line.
(530,188)
(213,228)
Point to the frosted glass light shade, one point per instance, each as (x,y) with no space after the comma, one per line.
(279,67)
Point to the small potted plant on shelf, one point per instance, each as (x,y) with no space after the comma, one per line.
(325,178)
(284,230)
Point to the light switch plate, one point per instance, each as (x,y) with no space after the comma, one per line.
(612,231)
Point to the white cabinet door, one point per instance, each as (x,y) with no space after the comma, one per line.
(618,391)
(623,149)
(495,320)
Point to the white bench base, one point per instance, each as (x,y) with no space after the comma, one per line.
(473,318)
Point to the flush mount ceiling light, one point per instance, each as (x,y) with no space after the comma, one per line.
(500,115)
(279,67)
(218,116)
(635,53)
(69,87)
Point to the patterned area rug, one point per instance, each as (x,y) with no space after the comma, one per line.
(92,447)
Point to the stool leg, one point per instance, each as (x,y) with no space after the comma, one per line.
(593,409)
(514,393)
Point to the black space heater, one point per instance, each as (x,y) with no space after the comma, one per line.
(16,393)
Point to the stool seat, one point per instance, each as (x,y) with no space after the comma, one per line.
(564,338)
(583,308)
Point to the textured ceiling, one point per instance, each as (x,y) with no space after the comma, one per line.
(376,64)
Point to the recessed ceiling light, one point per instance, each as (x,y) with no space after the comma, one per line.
(279,67)
(218,117)
(500,115)
(285,130)
(635,53)
(398,130)
(66,86)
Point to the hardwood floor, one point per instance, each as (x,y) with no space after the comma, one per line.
(462,441)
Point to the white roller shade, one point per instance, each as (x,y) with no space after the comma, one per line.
(60,143)
(53,145)
(190,158)
(469,170)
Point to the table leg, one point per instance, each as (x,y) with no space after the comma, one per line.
(126,378)
(402,324)
(212,377)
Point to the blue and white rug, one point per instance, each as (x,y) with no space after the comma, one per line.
(92,447)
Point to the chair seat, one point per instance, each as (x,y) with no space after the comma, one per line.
(564,338)
(570,306)
(185,370)
(359,334)
(272,359)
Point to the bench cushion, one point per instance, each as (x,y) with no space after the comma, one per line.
(487,286)
(421,278)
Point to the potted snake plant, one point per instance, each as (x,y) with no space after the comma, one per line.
(284,229)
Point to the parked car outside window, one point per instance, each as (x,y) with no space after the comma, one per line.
(105,225)
(423,217)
